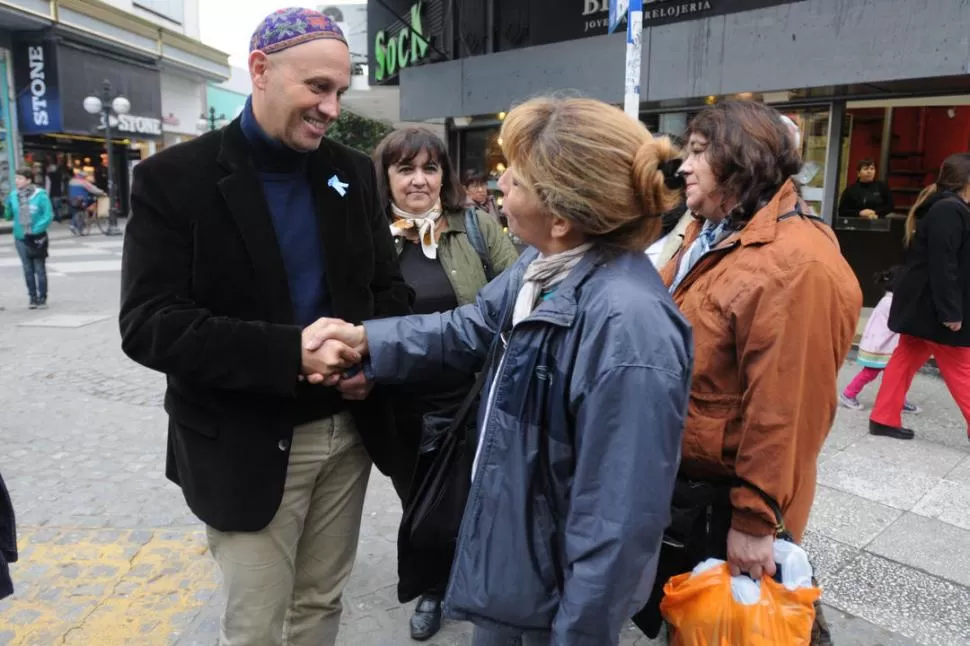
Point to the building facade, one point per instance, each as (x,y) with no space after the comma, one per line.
(879,79)
(56,53)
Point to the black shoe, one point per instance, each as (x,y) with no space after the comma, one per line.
(42,304)
(897,432)
(33,305)
(426,620)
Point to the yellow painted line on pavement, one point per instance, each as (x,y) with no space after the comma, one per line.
(106,587)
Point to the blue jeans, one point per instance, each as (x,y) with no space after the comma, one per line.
(483,637)
(35,273)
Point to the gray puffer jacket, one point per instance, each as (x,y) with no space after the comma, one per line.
(579,443)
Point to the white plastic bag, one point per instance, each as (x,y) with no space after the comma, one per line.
(796,572)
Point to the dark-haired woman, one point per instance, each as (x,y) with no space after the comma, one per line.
(932,299)
(446,258)
(774,307)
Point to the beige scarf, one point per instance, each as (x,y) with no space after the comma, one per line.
(543,273)
(425,223)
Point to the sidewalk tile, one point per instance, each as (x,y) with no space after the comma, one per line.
(919,456)
(919,606)
(927,544)
(877,480)
(948,501)
(849,519)
(827,556)
(960,473)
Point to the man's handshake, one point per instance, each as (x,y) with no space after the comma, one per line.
(330,348)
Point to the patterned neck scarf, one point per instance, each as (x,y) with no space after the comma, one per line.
(545,272)
(425,222)
(23,204)
(711,235)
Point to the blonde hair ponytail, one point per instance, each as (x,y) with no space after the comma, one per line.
(590,163)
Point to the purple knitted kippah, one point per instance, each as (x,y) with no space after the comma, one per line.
(290,27)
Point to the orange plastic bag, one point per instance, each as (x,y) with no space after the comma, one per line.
(702,612)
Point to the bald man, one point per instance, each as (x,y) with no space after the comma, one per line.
(238,242)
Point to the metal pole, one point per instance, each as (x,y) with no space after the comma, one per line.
(634,56)
(833,155)
(113,229)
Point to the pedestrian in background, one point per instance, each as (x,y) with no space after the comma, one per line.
(932,299)
(876,346)
(476,188)
(83,198)
(31,211)
(448,252)
(582,413)
(239,241)
(774,307)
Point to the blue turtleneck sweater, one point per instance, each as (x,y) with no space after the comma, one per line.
(285,180)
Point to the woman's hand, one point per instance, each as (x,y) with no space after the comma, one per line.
(956,326)
(753,555)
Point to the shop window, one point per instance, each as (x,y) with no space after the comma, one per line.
(814,126)
(481,151)
(174,10)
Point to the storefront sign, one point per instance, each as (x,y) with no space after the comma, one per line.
(551,23)
(394,53)
(83,73)
(135,125)
(38,99)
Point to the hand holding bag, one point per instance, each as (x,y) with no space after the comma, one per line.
(36,245)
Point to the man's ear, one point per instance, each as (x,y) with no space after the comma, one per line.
(259,63)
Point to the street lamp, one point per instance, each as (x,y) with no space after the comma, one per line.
(211,121)
(106,106)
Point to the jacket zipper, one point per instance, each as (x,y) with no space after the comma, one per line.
(490,401)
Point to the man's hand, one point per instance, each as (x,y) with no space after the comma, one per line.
(352,335)
(325,364)
(955,326)
(751,554)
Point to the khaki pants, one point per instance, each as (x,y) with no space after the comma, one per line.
(283,583)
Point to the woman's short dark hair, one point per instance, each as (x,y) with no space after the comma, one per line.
(750,150)
(865,163)
(472,176)
(26,172)
(403,145)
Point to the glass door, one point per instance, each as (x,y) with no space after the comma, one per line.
(814,125)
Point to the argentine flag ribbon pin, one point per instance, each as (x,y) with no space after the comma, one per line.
(338,186)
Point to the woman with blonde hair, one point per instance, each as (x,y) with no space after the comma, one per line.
(931,299)
(588,368)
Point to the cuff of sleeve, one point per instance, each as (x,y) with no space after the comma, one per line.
(380,361)
(752,523)
(285,360)
(368,370)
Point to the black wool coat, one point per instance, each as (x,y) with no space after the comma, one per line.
(933,287)
(205,300)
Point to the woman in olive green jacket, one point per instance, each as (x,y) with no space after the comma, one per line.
(447,255)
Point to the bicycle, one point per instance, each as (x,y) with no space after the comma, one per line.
(89,215)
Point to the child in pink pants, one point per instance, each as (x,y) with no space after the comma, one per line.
(875,349)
